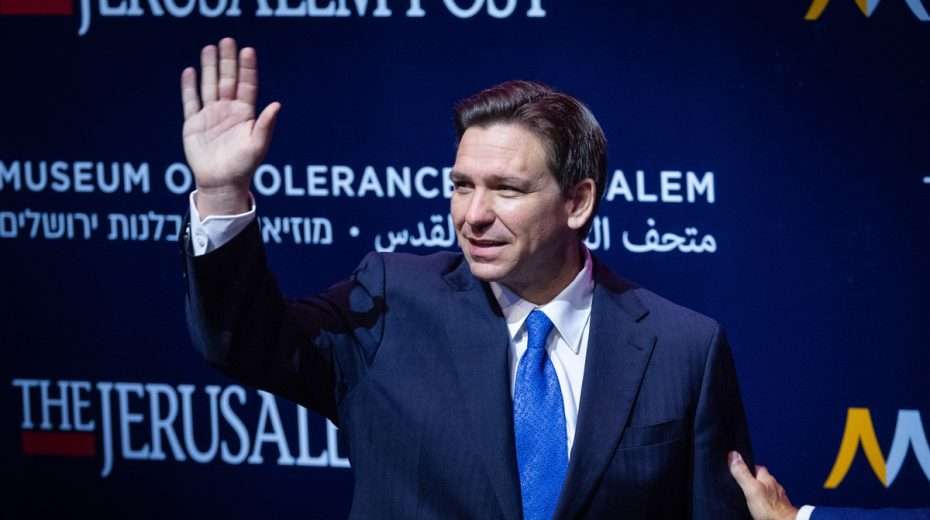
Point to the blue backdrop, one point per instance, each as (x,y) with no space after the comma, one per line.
(769,166)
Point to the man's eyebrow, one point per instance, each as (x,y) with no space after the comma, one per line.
(508,179)
(494,179)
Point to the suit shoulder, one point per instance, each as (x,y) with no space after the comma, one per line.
(435,263)
(410,270)
(666,308)
(669,318)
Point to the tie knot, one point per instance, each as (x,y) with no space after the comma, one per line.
(538,327)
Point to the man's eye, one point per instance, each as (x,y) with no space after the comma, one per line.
(509,191)
(461,185)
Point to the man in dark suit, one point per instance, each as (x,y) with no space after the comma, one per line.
(458,378)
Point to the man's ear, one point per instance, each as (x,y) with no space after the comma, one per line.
(580,203)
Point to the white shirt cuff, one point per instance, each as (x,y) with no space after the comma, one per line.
(214,231)
(804,513)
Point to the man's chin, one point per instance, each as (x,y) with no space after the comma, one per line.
(486,271)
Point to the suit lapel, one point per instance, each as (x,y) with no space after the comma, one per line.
(478,345)
(619,348)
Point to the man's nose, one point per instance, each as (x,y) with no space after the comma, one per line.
(480,209)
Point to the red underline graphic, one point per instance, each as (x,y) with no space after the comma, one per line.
(41,7)
(59,443)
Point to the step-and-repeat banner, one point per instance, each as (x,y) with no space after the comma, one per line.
(769,166)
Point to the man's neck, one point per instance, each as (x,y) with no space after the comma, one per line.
(545,289)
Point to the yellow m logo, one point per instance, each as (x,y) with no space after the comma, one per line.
(867,7)
(909,432)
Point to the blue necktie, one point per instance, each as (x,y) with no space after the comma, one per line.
(539,424)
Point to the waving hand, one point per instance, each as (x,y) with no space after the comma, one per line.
(223,140)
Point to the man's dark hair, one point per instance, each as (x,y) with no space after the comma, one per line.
(575,144)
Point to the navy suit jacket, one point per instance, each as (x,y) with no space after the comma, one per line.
(834,513)
(409,357)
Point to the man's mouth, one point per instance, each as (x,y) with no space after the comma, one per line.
(485,242)
(481,247)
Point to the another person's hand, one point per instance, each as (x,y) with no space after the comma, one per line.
(765,497)
(223,141)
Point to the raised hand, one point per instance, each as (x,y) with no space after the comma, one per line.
(223,141)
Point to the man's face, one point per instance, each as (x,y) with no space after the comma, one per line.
(510,216)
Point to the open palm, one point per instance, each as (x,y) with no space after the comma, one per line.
(223,141)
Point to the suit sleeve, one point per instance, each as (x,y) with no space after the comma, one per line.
(719,426)
(312,351)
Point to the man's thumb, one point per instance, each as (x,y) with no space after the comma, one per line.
(740,471)
(266,120)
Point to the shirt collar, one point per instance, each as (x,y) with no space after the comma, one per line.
(569,311)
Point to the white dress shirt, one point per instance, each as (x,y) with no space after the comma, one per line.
(567,344)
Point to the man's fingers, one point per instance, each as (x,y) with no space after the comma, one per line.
(741,472)
(189,92)
(247,89)
(208,74)
(763,476)
(227,72)
(265,123)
